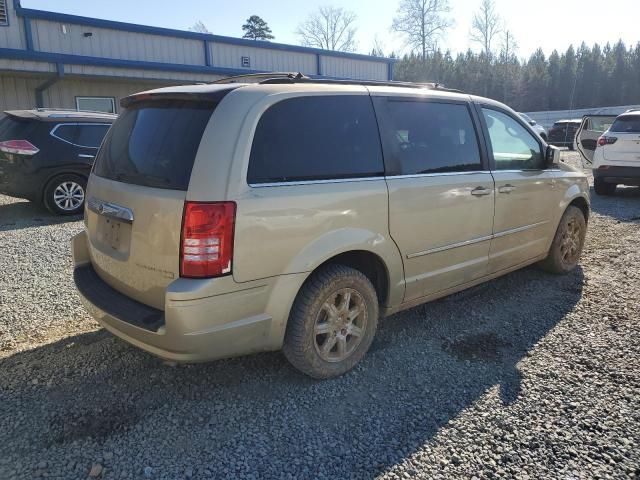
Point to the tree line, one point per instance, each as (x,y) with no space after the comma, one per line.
(583,78)
(587,77)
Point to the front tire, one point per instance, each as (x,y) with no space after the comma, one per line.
(65,194)
(603,188)
(332,322)
(568,242)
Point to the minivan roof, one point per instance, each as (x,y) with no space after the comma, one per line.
(214,91)
(53,115)
(276,83)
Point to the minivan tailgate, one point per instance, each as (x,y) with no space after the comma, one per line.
(134,237)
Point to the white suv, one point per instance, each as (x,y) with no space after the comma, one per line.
(616,158)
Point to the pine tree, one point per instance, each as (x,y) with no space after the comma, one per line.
(588,77)
(257,29)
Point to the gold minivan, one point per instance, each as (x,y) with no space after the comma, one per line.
(292,213)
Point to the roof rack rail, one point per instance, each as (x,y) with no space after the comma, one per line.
(271,78)
(370,83)
(261,76)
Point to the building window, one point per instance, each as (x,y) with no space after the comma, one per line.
(96,104)
(4,13)
(245,61)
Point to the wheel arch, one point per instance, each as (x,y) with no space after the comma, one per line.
(582,204)
(368,263)
(58,173)
(373,253)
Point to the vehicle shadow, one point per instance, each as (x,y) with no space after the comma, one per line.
(92,393)
(25,214)
(623,206)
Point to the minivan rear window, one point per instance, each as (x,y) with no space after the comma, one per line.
(628,124)
(154,143)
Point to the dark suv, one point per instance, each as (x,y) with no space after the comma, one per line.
(563,132)
(46,155)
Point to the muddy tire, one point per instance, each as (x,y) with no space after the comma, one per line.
(332,322)
(568,242)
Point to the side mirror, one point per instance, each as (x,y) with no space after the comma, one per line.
(532,122)
(552,155)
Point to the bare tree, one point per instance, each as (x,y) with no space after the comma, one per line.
(485,26)
(199,27)
(330,28)
(509,46)
(378,47)
(422,23)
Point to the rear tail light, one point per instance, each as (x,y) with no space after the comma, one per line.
(19,147)
(207,239)
(604,140)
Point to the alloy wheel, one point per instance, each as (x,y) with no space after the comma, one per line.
(68,196)
(340,325)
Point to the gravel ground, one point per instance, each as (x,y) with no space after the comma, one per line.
(527,376)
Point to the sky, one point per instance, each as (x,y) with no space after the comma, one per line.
(549,24)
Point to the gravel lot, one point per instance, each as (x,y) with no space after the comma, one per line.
(528,376)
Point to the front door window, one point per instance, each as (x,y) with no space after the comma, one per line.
(513,147)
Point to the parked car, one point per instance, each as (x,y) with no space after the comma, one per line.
(562,133)
(46,155)
(539,129)
(615,154)
(291,214)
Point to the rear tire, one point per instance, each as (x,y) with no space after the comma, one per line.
(65,194)
(603,188)
(332,322)
(568,242)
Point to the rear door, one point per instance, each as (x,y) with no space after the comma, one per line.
(137,191)
(591,128)
(440,193)
(623,146)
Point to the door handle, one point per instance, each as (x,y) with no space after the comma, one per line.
(84,155)
(480,191)
(506,188)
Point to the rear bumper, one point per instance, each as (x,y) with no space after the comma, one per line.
(618,175)
(16,182)
(250,318)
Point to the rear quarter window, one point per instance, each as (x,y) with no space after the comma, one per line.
(88,135)
(154,143)
(316,138)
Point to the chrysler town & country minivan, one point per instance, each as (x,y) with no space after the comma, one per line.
(293,213)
